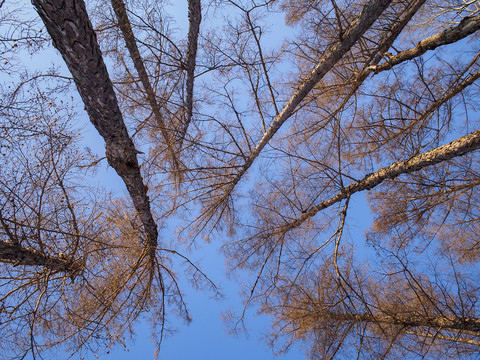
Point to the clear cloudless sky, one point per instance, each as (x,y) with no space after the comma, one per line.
(206,337)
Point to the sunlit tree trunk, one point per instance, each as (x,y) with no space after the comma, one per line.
(456,148)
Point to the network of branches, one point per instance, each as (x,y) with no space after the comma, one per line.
(263,127)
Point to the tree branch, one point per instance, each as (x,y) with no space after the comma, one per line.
(127,32)
(20,255)
(383,46)
(456,148)
(466,27)
(72,33)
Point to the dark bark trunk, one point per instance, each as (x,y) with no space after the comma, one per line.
(68,24)
(22,256)
(194,19)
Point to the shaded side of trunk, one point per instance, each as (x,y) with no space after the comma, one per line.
(194,19)
(18,255)
(72,33)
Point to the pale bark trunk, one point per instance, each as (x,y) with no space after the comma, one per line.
(357,28)
(68,24)
(437,336)
(466,27)
(412,321)
(456,148)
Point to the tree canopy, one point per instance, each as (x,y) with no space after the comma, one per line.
(256,125)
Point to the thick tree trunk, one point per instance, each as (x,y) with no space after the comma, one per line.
(21,256)
(68,24)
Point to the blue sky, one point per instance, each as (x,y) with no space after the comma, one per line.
(206,337)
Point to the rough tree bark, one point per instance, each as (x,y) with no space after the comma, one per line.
(194,19)
(20,255)
(410,321)
(456,148)
(72,33)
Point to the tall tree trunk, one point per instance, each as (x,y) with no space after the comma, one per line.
(372,10)
(72,33)
(194,19)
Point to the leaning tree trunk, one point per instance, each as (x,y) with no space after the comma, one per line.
(369,14)
(456,148)
(19,255)
(72,33)
(410,321)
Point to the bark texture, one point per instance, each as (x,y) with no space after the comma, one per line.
(466,27)
(19,255)
(194,19)
(456,148)
(410,321)
(72,34)
(357,28)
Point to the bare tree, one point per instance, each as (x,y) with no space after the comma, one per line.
(351,130)
(77,265)
(271,150)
